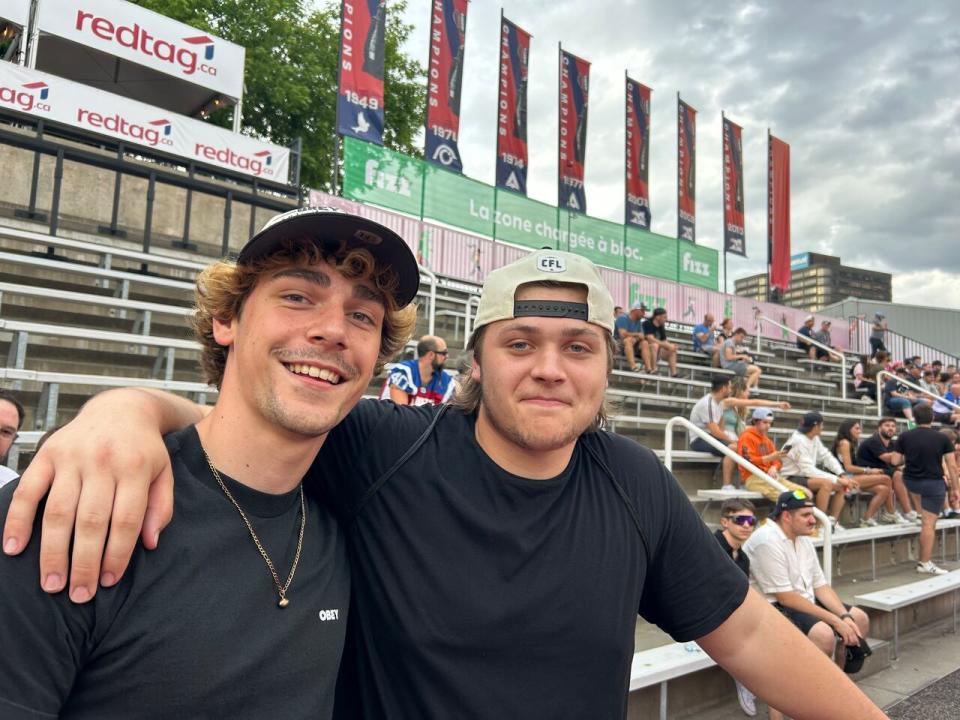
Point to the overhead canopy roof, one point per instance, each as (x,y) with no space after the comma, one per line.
(130,51)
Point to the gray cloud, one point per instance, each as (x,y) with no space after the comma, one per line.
(866,93)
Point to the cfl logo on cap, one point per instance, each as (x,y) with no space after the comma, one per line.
(551,264)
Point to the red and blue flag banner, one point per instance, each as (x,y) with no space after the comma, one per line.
(686,171)
(637,204)
(512,108)
(778,212)
(574,96)
(734,220)
(360,94)
(448,30)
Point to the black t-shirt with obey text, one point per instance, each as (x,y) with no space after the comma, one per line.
(923,449)
(481,594)
(192,630)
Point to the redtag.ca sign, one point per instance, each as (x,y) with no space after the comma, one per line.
(56,100)
(132,33)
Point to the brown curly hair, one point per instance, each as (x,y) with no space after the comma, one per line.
(224,286)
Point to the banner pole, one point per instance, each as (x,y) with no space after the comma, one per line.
(334,181)
(496,126)
(723,194)
(626,153)
(769,221)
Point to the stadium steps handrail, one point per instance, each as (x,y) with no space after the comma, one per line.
(910,385)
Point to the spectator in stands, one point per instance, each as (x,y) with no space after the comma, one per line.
(724,332)
(810,464)
(629,329)
(877,452)
(860,381)
(737,520)
(944,410)
(655,332)
(785,568)
(736,409)
(740,363)
(617,311)
(823,336)
(928,381)
(707,414)
(864,478)
(926,452)
(756,445)
(704,340)
(804,335)
(899,398)
(11,420)
(406,383)
(291,335)
(878,332)
(951,507)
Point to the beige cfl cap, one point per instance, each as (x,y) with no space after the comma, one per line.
(497,300)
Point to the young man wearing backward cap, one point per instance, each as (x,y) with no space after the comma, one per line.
(502,547)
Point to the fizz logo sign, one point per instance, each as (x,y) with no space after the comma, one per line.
(183,53)
(696,267)
(152,133)
(29,97)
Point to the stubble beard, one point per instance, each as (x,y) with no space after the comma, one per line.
(528,438)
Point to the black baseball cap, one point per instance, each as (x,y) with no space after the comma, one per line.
(810,420)
(329,226)
(792,500)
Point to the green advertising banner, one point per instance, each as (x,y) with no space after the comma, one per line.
(376,175)
(698,265)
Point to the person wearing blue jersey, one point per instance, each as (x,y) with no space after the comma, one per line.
(420,381)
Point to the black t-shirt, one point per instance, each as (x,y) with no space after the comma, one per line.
(742,561)
(807,333)
(193,629)
(660,332)
(923,449)
(870,450)
(481,594)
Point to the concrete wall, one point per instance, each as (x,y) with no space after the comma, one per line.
(86,201)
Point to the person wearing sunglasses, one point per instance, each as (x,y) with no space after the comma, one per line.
(737,521)
(421,381)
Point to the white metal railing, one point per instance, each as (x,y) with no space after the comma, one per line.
(898,345)
(468,319)
(760,317)
(432,313)
(750,467)
(910,385)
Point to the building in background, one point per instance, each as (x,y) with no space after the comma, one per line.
(820,280)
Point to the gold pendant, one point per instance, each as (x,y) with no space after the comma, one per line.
(283,602)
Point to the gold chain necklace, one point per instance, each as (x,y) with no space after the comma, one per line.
(281,589)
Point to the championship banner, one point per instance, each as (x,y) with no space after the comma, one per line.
(637,204)
(448,23)
(574,91)
(56,100)
(512,108)
(686,171)
(778,212)
(130,32)
(360,96)
(734,223)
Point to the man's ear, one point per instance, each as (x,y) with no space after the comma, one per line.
(224,332)
(474,369)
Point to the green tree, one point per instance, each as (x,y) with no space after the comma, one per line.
(290,77)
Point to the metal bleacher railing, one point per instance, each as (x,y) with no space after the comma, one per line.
(900,346)
(912,386)
(761,318)
(751,468)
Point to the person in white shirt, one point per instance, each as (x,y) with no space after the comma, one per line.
(11,420)
(784,567)
(809,463)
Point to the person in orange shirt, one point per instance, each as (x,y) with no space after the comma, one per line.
(756,445)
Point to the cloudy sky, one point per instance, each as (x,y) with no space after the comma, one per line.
(867,93)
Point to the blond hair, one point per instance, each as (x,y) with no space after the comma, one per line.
(223,287)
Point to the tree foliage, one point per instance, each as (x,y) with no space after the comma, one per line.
(290,76)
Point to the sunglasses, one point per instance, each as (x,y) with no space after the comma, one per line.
(441,352)
(800,494)
(745,520)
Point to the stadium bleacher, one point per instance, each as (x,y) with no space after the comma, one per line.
(83,313)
